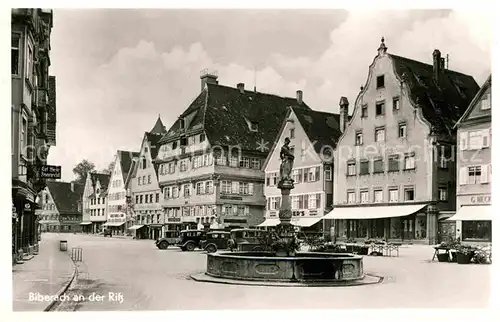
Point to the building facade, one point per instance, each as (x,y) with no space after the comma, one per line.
(32,119)
(64,201)
(146,196)
(210,161)
(94,202)
(474,213)
(394,169)
(313,136)
(116,193)
(49,216)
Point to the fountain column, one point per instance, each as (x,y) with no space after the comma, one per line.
(285,230)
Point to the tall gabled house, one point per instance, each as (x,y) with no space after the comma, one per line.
(94,202)
(313,136)
(116,214)
(145,195)
(62,207)
(394,167)
(210,161)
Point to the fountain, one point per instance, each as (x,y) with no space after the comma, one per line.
(285,266)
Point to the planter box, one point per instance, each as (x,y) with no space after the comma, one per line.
(444,257)
(464,258)
(363,250)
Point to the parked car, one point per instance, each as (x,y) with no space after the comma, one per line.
(191,239)
(215,240)
(245,239)
(170,237)
(107,232)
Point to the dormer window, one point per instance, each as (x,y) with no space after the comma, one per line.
(254,126)
(202,137)
(183,141)
(182,123)
(174,145)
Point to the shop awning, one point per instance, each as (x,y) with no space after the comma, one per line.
(269,222)
(373,212)
(155,225)
(113,224)
(300,222)
(478,213)
(135,227)
(86,223)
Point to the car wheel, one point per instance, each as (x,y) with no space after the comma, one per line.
(258,249)
(190,247)
(211,249)
(163,245)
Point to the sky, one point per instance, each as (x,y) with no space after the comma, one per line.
(118,69)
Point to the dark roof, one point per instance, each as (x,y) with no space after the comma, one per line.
(126,161)
(442,102)
(102,177)
(66,201)
(51,117)
(154,139)
(320,127)
(158,128)
(131,173)
(225,113)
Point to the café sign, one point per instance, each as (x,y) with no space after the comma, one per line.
(485,199)
(50,172)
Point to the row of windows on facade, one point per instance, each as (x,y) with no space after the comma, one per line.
(49,206)
(299,202)
(97,212)
(393,194)
(300,175)
(380,134)
(206,187)
(186,141)
(191,211)
(475,174)
(475,140)
(97,201)
(148,198)
(116,196)
(400,227)
(116,183)
(116,208)
(60,217)
(207,160)
(16,58)
(380,107)
(142,180)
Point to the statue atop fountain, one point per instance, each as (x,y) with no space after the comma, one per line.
(285,230)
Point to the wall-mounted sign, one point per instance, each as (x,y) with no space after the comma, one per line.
(234,220)
(50,172)
(27,206)
(484,199)
(231,197)
(174,219)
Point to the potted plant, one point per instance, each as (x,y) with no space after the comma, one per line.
(481,257)
(443,257)
(465,254)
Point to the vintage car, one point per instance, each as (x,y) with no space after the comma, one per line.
(190,239)
(246,239)
(215,240)
(170,237)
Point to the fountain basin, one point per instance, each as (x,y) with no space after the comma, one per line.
(304,267)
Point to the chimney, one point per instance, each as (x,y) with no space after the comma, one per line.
(436,55)
(241,87)
(72,187)
(344,113)
(208,77)
(299,97)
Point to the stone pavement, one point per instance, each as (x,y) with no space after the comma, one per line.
(45,274)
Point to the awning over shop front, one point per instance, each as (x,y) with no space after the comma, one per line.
(477,213)
(86,223)
(373,212)
(300,222)
(155,225)
(135,227)
(113,224)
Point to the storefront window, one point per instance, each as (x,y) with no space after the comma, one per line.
(395,228)
(476,230)
(421,227)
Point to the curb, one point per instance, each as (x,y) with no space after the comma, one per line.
(62,290)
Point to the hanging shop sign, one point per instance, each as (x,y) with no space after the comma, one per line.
(50,172)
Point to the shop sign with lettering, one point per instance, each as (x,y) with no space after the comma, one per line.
(485,199)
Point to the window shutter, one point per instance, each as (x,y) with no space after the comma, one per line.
(484,173)
(235,187)
(463,140)
(486,138)
(317,176)
(301,171)
(250,188)
(268,203)
(463,175)
(318,200)
(247,209)
(278,202)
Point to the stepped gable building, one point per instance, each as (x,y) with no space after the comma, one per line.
(395,168)
(145,197)
(210,160)
(313,136)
